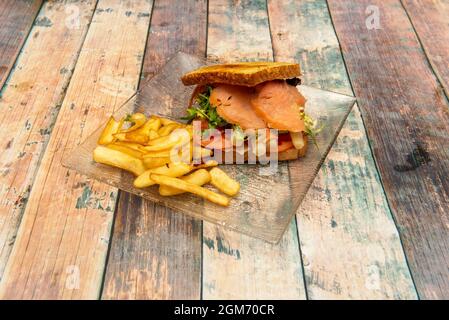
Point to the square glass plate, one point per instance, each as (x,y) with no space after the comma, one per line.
(266,203)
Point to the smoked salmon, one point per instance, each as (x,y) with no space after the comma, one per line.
(258,96)
(233,104)
(278,104)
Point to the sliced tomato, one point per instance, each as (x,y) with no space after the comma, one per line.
(283,137)
(285,145)
(284,142)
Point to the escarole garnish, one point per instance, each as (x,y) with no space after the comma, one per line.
(202,109)
(311,126)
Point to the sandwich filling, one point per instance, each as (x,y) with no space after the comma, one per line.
(273,104)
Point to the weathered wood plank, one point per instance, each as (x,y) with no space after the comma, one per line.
(16,19)
(407,120)
(30,102)
(234,265)
(349,243)
(62,241)
(155,252)
(429,19)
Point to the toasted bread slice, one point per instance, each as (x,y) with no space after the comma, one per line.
(246,74)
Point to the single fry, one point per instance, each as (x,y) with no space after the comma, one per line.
(138,119)
(157,154)
(159,140)
(223,182)
(190,187)
(162,146)
(198,177)
(207,164)
(164,121)
(167,129)
(111,128)
(133,136)
(154,162)
(154,124)
(153,135)
(118,159)
(172,170)
(125,149)
(131,145)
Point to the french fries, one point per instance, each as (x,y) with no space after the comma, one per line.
(171,170)
(153,162)
(160,151)
(167,129)
(163,146)
(138,119)
(111,128)
(142,134)
(198,177)
(118,159)
(129,151)
(157,154)
(153,135)
(207,164)
(130,145)
(164,121)
(223,182)
(190,187)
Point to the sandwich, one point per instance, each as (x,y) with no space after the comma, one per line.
(252,95)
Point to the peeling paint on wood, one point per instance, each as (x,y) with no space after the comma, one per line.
(16,19)
(56,241)
(27,124)
(406,117)
(349,244)
(429,18)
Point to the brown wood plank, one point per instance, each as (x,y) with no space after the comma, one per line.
(236,266)
(62,242)
(16,19)
(407,120)
(31,101)
(155,252)
(348,239)
(430,20)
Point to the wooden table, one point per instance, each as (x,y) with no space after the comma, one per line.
(374,225)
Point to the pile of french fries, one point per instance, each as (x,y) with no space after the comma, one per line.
(157,153)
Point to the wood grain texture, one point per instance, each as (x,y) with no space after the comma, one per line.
(236,266)
(407,120)
(350,246)
(430,20)
(30,102)
(63,239)
(155,252)
(16,19)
